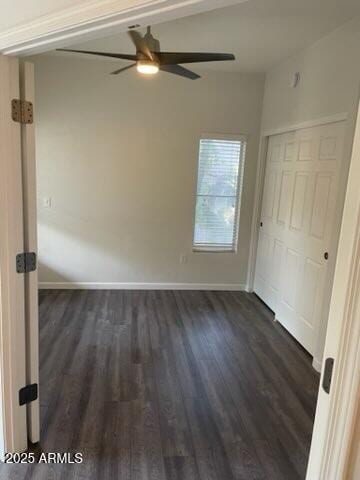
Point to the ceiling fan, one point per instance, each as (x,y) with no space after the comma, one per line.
(149,59)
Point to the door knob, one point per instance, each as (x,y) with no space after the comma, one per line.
(326,255)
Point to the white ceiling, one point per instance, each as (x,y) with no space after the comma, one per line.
(259,32)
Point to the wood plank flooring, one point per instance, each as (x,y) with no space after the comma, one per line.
(170,385)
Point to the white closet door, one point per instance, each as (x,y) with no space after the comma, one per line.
(274,217)
(298,217)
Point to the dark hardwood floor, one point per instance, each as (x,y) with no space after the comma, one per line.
(170,385)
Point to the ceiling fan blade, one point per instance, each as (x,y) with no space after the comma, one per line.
(172,58)
(179,70)
(124,56)
(116,72)
(140,44)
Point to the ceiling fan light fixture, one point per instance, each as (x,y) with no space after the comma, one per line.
(149,59)
(147,67)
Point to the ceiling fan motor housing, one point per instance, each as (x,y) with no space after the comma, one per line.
(153,43)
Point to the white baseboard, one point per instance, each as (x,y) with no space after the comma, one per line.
(140,286)
(317,364)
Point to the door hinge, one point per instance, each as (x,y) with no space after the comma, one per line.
(25,262)
(22,111)
(28,394)
(328,370)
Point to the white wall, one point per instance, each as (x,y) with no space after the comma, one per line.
(330,79)
(118,157)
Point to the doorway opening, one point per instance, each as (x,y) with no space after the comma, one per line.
(159,352)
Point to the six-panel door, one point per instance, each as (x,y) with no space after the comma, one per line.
(298,222)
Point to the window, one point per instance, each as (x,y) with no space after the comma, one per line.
(219,185)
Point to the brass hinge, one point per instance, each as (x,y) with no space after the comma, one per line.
(22,111)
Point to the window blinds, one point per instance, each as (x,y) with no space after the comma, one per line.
(219,186)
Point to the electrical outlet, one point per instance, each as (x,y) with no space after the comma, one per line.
(47,202)
(183,258)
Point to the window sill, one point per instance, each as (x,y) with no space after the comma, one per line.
(213,250)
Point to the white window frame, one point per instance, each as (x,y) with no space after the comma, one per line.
(221,248)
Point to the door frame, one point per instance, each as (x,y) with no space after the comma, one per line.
(259,187)
(27,92)
(12,291)
(83,23)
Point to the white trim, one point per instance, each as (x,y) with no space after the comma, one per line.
(213,249)
(94,19)
(260,174)
(225,136)
(317,364)
(27,92)
(12,301)
(140,286)
(337,117)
